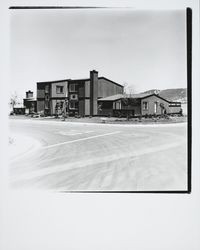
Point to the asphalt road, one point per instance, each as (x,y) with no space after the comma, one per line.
(75,156)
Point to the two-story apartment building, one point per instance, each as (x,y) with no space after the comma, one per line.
(50,94)
(77,96)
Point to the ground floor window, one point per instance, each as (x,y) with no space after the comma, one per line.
(59,104)
(73,105)
(145,105)
(59,107)
(117,105)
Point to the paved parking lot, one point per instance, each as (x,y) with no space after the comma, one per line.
(78,156)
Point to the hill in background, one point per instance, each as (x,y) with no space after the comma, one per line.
(178,95)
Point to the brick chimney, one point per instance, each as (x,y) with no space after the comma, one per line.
(29,94)
(93,92)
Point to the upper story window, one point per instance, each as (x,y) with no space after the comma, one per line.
(73,87)
(145,105)
(46,88)
(59,89)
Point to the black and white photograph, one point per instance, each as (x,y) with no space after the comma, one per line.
(99,99)
(99,145)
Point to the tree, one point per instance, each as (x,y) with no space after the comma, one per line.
(65,109)
(125,85)
(127,101)
(128,89)
(14,100)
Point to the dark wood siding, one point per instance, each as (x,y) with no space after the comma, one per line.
(108,88)
(81,107)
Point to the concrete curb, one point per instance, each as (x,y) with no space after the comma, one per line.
(60,122)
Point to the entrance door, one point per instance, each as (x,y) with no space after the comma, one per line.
(155,107)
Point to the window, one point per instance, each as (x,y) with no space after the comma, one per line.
(74,97)
(145,105)
(59,89)
(73,105)
(73,87)
(46,105)
(59,105)
(46,88)
(155,107)
(117,105)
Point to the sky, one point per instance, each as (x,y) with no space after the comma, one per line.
(142,49)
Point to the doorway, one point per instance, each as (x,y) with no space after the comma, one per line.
(155,107)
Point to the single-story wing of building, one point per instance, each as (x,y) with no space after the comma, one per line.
(30,103)
(137,105)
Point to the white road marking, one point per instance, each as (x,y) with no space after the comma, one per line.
(81,133)
(73,132)
(76,134)
(80,139)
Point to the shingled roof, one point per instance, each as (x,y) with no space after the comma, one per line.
(121,96)
(112,97)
